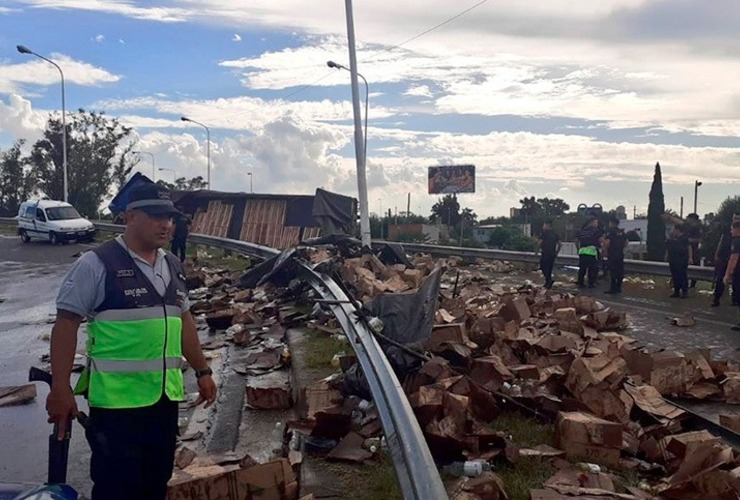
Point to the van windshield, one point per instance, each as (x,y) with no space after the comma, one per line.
(62,213)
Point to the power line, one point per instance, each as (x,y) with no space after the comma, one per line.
(397,46)
(426,32)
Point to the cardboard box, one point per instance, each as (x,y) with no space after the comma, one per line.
(586,437)
(270,481)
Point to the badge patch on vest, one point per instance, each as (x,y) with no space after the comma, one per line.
(125,273)
(135,292)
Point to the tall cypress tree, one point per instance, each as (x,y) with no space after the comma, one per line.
(656,225)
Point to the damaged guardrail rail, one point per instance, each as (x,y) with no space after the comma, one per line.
(417,474)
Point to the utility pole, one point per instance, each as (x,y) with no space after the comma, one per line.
(681,214)
(408,206)
(696,193)
(359,139)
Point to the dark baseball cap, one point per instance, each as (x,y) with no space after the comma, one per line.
(152,199)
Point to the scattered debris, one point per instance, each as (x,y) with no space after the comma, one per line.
(686,319)
(17,395)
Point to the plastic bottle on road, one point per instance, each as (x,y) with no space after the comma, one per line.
(469,468)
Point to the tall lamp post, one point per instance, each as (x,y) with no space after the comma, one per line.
(154,172)
(333,64)
(250,182)
(174,174)
(25,50)
(208,148)
(359,141)
(696,193)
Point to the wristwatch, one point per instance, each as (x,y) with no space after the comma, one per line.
(203,373)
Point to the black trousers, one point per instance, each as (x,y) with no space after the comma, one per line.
(588,265)
(133,451)
(719,276)
(178,246)
(547,262)
(680,275)
(616,274)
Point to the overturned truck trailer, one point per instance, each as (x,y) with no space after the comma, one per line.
(274,220)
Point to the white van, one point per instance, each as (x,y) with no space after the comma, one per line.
(55,221)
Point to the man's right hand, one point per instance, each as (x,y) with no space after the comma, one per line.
(61,407)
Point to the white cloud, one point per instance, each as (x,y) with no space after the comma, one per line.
(236,38)
(419,91)
(123,8)
(38,72)
(99,38)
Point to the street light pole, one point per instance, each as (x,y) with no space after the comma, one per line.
(154,175)
(208,148)
(359,140)
(696,193)
(251,191)
(333,64)
(25,50)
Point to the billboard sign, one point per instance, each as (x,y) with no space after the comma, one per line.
(452,179)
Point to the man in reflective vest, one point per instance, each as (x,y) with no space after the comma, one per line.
(134,297)
(589,243)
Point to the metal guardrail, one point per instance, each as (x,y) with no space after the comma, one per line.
(630,266)
(417,474)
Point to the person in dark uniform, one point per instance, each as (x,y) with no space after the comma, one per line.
(732,275)
(678,255)
(548,245)
(179,243)
(695,233)
(588,242)
(614,243)
(721,259)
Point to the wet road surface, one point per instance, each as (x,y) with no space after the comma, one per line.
(29,279)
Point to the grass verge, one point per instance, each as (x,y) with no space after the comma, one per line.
(528,472)
(367,482)
(321,348)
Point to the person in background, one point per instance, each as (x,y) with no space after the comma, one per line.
(179,244)
(588,242)
(694,232)
(732,275)
(721,259)
(678,255)
(548,246)
(614,243)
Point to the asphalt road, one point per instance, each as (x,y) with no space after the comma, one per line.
(30,275)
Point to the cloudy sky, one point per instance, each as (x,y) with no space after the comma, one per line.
(576,99)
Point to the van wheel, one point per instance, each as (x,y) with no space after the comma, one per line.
(53,239)
(24,237)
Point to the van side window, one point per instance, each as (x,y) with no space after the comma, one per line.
(40,215)
(30,213)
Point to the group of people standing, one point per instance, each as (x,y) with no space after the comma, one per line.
(682,249)
(593,246)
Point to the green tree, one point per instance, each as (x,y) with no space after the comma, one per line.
(123,167)
(93,142)
(446,211)
(511,238)
(192,184)
(552,207)
(530,208)
(17,183)
(656,225)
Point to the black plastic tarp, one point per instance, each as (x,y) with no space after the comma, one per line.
(335,213)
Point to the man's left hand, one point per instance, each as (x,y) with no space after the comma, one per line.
(207,390)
